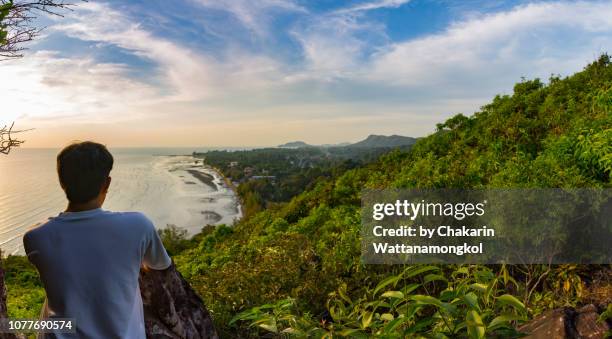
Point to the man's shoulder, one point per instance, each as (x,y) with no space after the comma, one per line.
(37,231)
(134,219)
(132,216)
(38,228)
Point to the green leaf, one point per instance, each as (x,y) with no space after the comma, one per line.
(471,300)
(512,301)
(268,324)
(394,324)
(387,316)
(503,321)
(390,280)
(393,294)
(425,299)
(410,288)
(419,325)
(348,332)
(429,300)
(475,326)
(434,277)
(411,272)
(479,287)
(366,319)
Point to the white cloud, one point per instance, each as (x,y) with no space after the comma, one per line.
(49,87)
(335,44)
(352,77)
(46,88)
(533,40)
(187,74)
(372,5)
(254,15)
(330,45)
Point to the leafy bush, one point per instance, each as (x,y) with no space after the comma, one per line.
(25,293)
(471,303)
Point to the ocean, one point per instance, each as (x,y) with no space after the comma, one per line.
(164,183)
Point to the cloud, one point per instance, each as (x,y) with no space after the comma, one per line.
(347,73)
(335,44)
(254,15)
(81,88)
(496,49)
(186,73)
(331,45)
(47,88)
(372,5)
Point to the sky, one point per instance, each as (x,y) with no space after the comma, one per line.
(264,72)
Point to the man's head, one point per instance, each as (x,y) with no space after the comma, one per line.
(83,169)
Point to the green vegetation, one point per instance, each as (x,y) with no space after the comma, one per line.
(295,269)
(25,293)
(287,270)
(473,301)
(4,12)
(269,176)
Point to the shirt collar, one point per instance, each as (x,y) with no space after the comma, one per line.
(81,215)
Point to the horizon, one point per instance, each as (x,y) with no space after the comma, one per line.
(235,73)
(214,147)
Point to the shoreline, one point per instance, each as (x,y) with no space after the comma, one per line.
(204,178)
(230,185)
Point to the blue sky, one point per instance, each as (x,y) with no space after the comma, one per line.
(255,73)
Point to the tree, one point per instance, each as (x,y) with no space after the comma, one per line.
(17,23)
(17,27)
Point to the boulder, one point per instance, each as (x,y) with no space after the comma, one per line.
(172,308)
(567,323)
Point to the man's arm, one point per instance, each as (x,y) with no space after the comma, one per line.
(28,245)
(155,255)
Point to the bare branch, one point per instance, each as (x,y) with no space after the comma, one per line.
(17,23)
(6,138)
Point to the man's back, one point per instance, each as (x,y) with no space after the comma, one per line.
(89,263)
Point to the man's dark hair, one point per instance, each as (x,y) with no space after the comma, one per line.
(82,169)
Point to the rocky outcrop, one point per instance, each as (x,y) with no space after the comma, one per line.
(567,323)
(172,308)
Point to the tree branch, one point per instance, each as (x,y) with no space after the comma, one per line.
(17,23)
(6,139)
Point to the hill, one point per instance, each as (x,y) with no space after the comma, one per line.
(299,263)
(373,141)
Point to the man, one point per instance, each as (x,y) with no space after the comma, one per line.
(89,259)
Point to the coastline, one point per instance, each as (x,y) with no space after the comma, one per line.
(205,178)
(159,186)
(209,180)
(230,185)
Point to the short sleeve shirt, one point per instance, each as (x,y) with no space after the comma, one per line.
(89,263)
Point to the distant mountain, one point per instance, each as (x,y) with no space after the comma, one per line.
(342,144)
(294,144)
(373,141)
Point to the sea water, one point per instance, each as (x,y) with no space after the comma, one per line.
(157,182)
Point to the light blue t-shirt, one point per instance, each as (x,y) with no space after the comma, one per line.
(89,263)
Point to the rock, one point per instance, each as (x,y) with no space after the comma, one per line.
(586,323)
(172,308)
(567,323)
